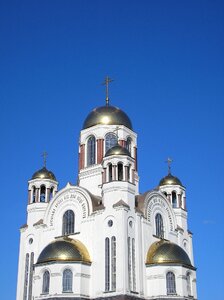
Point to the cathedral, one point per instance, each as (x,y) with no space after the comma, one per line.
(101,238)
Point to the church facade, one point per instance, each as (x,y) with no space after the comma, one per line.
(101,238)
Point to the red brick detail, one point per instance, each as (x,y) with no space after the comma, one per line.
(122,143)
(136,159)
(99,150)
(82,157)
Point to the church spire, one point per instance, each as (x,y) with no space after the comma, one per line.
(106,83)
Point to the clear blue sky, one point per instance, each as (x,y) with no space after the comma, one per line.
(167,59)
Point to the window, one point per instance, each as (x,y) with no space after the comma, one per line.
(91,151)
(170,283)
(46,282)
(51,193)
(174,200)
(42,193)
(113,263)
(110,264)
(68,226)
(67,281)
(120,171)
(26,277)
(110,176)
(131,265)
(188,284)
(31,276)
(107,264)
(34,195)
(128,144)
(159,226)
(128,173)
(110,141)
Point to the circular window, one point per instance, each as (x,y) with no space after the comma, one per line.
(110,223)
(30,241)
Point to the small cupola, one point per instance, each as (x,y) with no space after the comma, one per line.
(173,189)
(42,186)
(117,150)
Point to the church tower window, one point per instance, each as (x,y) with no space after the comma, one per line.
(110,264)
(51,193)
(110,170)
(128,144)
(159,226)
(91,151)
(107,264)
(120,171)
(34,195)
(188,284)
(68,226)
(67,281)
(110,141)
(170,283)
(174,199)
(26,277)
(42,193)
(46,282)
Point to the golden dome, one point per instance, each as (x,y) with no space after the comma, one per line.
(107,115)
(170,180)
(64,250)
(117,150)
(43,174)
(165,252)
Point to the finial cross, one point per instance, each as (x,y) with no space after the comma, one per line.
(169,161)
(106,83)
(44,155)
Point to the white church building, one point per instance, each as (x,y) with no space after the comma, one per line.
(101,238)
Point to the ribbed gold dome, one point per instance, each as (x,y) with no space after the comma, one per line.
(44,174)
(64,250)
(107,115)
(117,150)
(165,252)
(170,180)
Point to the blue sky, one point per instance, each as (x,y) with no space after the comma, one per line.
(166,58)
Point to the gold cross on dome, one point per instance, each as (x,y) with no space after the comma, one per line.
(44,155)
(106,83)
(169,161)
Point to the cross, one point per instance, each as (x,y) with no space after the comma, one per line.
(106,82)
(44,155)
(169,161)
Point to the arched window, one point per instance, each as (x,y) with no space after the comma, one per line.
(91,151)
(159,226)
(26,277)
(113,263)
(51,193)
(110,176)
(165,194)
(67,281)
(128,144)
(170,283)
(128,173)
(107,264)
(42,193)
(68,226)
(46,282)
(188,284)
(174,199)
(120,171)
(110,141)
(34,195)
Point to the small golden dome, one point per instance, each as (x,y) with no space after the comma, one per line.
(44,174)
(165,252)
(64,250)
(107,115)
(117,150)
(170,180)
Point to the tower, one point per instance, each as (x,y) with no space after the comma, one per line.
(101,238)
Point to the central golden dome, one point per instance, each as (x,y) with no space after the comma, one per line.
(64,250)
(107,115)
(44,173)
